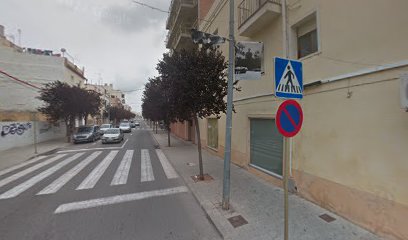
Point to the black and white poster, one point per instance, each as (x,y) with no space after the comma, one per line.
(248,60)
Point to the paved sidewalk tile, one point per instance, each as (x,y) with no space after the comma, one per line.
(257,201)
(17,155)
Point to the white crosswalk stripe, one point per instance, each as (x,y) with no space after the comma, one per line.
(7,170)
(97,173)
(29,170)
(146,167)
(66,177)
(34,180)
(168,169)
(58,182)
(122,172)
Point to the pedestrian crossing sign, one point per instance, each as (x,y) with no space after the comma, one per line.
(288,78)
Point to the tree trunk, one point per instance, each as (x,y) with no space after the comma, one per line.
(155,123)
(168,136)
(200,158)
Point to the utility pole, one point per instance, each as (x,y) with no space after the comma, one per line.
(288,143)
(227,152)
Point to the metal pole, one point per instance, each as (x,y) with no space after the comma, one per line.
(227,152)
(35,131)
(287,141)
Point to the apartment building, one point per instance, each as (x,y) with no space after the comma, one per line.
(23,71)
(348,157)
(182,18)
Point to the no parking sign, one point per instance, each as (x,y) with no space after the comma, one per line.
(289,118)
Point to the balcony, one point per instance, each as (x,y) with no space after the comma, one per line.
(186,10)
(180,37)
(253,15)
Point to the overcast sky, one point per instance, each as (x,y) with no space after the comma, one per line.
(117,41)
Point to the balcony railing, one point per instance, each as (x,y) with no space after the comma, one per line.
(247,8)
(184,30)
(174,8)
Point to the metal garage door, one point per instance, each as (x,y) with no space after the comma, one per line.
(266,146)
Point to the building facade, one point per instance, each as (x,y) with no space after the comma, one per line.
(182,18)
(23,71)
(348,157)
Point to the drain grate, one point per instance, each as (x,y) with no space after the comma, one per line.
(237,221)
(327,218)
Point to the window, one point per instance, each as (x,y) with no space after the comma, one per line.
(306,32)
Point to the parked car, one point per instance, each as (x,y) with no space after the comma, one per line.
(125,127)
(87,134)
(132,125)
(105,127)
(240,70)
(137,124)
(112,135)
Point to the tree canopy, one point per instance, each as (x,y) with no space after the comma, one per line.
(65,102)
(192,84)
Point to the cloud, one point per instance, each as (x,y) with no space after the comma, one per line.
(132,18)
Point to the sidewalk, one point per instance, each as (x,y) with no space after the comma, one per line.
(17,155)
(258,202)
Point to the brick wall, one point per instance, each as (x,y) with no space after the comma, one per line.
(204,7)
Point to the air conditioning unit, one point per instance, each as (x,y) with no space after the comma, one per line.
(404,91)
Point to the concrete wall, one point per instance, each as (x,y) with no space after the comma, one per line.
(349,156)
(11,137)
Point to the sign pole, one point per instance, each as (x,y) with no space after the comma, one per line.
(285,189)
(287,142)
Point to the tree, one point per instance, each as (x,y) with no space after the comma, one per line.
(156,104)
(197,84)
(65,102)
(118,113)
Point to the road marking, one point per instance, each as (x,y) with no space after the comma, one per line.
(91,149)
(36,179)
(74,206)
(29,170)
(168,169)
(61,181)
(97,173)
(122,172)
(146,168)
(10,169)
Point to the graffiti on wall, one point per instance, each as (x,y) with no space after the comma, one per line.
(15,128)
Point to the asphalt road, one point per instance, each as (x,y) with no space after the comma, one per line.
(94,191)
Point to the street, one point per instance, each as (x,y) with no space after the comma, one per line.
(93,191)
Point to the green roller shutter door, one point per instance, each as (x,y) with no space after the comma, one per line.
(266,145)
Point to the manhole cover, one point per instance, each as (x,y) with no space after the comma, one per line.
(327,218)
(237,221)
(207,178)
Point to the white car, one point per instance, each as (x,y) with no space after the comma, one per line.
(105,127)
(125,127)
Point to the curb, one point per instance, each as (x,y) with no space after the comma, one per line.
(207,215)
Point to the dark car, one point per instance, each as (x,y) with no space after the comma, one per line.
(87,134)
(112,135)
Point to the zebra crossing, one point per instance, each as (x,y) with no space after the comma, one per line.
(54,164)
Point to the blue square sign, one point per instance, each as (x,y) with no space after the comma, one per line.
(288,78)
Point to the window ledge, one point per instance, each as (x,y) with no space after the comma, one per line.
(211,148)
(310,56)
